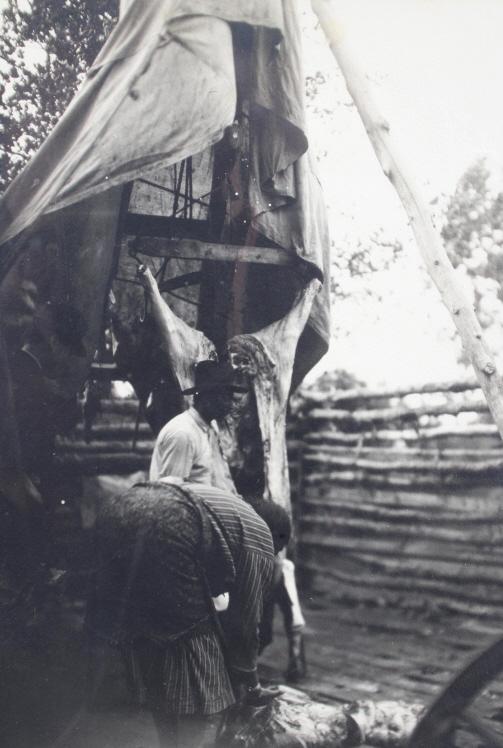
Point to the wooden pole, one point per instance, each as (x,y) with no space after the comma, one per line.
(395,166)
(124,6)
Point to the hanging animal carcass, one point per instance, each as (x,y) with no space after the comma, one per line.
(184,148)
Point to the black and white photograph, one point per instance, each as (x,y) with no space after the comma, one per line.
(251,356)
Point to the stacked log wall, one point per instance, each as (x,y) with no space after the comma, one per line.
(118,442)
(401,504)
(97,460)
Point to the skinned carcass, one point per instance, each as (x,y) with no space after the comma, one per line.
(294,720)
(182,343)
(265,359)
(267,356)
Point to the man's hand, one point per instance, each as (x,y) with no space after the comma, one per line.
(261,696)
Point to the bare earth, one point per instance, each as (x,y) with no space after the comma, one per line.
(353,653)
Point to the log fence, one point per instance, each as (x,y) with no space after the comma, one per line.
(118,443)
(400,503)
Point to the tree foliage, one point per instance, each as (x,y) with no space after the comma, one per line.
(46,47)
(473,234)
(360,260)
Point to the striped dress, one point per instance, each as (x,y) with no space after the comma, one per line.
(153,544)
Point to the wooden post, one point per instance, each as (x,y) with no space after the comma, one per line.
(395,166)
(123,6)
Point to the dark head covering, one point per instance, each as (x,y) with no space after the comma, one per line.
(210,376)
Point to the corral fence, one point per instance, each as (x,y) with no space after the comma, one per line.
(399,498)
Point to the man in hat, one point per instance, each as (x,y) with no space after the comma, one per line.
(188,447)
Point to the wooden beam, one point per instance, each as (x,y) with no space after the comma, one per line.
(106,372)
(403,463)
(361,417)
(104,463)
(395,166)
(142,225)
(123,6)
(334,395)
(410,435)
(194,249)
(181,281)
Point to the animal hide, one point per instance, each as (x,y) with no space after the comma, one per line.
(294,720)
(266,358)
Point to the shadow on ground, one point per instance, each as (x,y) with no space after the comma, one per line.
(353,653)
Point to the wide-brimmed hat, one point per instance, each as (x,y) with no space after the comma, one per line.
(211,376)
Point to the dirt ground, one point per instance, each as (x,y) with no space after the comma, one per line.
(353,653)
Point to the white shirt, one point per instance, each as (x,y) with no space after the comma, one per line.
(189,448)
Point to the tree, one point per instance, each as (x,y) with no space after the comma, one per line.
(46,47)
(473,233)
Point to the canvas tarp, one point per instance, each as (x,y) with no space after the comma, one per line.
(158,97)
(163,88)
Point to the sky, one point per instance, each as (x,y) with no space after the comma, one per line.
(436,71)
